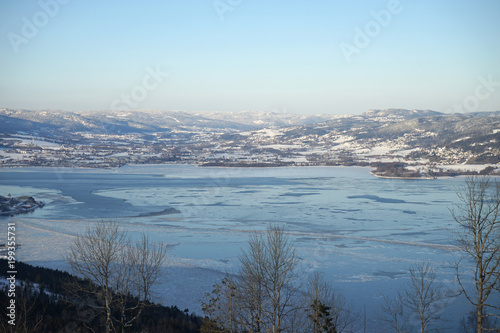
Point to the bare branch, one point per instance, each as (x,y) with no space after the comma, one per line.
(479,239)
(120,273)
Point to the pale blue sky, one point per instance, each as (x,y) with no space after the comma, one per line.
(271,55)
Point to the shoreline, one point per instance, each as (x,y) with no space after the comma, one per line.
(409,178)
(443,171)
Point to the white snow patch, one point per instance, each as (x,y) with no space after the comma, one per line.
(465,167)
(29,140)
(282,146)
(461,139)
(269,132)
(380,150)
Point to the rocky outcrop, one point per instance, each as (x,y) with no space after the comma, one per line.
(10,206)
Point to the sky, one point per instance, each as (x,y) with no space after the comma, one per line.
(304,57)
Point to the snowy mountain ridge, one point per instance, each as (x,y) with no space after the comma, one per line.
(246,138)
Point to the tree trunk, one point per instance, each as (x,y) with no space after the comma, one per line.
(479,312)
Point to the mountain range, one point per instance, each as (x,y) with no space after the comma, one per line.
(409,134)
(146,121)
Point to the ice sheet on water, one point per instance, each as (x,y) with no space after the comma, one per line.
(339,218)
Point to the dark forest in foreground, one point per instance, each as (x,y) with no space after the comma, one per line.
(43,304)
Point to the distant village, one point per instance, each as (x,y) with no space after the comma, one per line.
(265,148)
(396,143)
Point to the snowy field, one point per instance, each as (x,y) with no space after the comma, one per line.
(361,231)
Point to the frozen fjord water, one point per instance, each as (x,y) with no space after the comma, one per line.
(363,232)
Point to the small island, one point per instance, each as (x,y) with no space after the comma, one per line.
(406,171)
(10,206)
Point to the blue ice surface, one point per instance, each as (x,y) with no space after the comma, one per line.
(363,232)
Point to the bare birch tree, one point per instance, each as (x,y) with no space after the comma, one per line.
(424,296)
(263,296)
(269,268)
(468,323)
(477,215)
(141,265)
(392,313)
(118,270)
